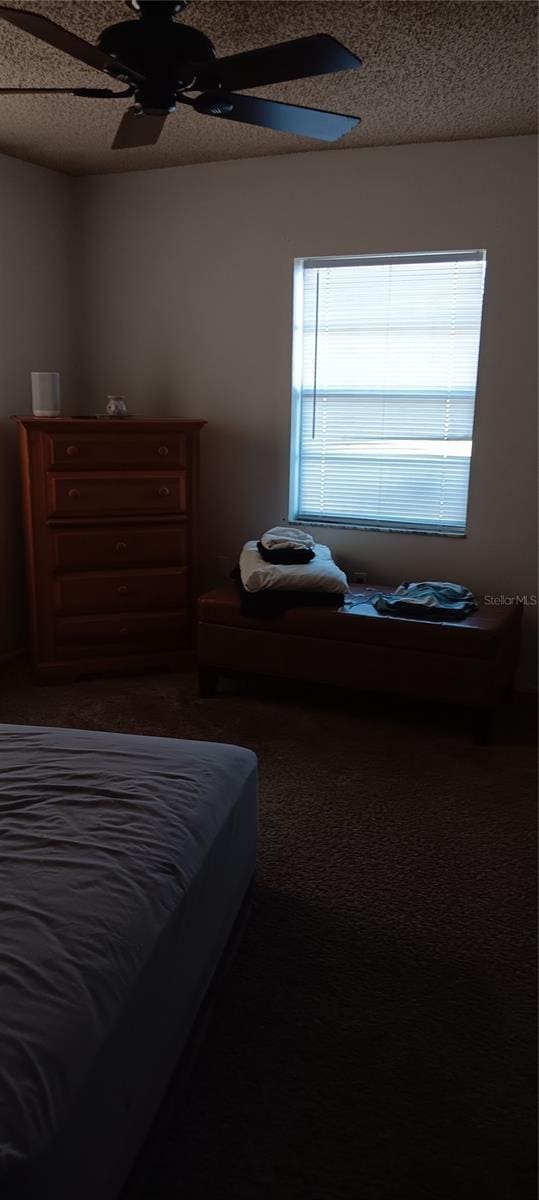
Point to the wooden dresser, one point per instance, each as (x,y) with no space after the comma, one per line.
(110,528)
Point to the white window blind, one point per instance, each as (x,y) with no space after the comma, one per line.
(384,376)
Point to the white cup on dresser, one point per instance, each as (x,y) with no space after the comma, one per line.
(45,393)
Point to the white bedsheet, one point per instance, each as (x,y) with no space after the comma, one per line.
(101,838)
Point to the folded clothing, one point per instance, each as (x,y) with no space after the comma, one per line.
(280,537)
(273,603)
(285,556)
(319,575)
(427,601)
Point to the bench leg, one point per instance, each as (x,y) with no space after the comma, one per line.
(207,682)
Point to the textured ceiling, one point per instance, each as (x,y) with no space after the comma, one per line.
(432,72)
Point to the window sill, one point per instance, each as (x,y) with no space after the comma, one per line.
(448,533)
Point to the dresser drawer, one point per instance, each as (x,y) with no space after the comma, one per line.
(129,545)
(127,591)
(110,512)
(118,451)
(124,633)
(117,494)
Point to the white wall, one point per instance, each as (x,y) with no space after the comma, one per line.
(187,310)
(37,288)
(174,287)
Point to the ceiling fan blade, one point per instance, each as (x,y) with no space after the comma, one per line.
(102,93)
(63,39)
(298,59)
(136,129)
(271,114)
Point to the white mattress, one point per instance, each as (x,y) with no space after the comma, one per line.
(107,843)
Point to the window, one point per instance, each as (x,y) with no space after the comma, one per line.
(385,353)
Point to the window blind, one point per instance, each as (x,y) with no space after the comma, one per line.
(385,354)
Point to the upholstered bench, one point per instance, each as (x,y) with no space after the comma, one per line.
(469,662)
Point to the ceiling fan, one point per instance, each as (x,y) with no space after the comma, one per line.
(163,61)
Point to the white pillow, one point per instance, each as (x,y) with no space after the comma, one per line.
(319,575)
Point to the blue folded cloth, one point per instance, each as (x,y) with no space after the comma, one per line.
(428,601)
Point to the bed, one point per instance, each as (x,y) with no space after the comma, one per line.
(124,861)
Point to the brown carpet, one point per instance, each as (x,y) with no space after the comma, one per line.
(373,1038)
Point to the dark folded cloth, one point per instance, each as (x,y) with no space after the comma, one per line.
(419,613)
(286,557)
(273,603)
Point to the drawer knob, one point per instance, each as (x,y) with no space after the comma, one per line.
(72,450)
(73,493)
(163,491)
(121,546)
(124,630)
(122,590)
(163,451)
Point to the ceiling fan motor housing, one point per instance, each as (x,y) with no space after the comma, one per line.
(161,50)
